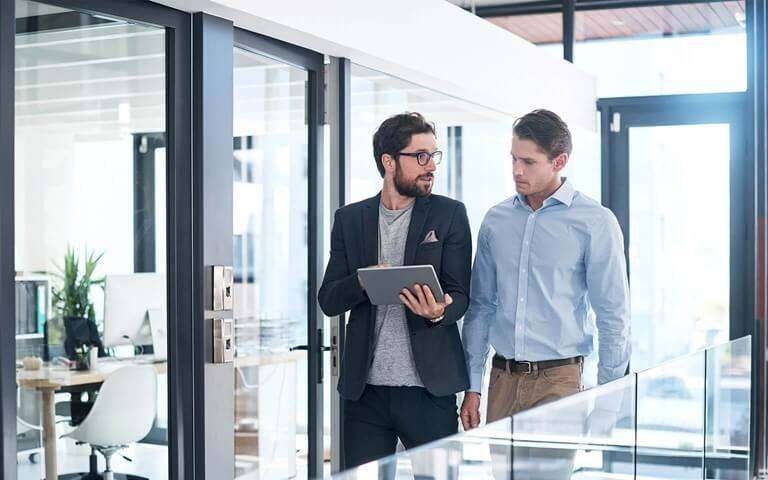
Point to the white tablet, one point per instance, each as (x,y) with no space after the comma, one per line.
(383,285)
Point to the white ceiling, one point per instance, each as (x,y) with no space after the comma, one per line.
(110,79)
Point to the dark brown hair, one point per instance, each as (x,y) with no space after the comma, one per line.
(547,130)
(394,134)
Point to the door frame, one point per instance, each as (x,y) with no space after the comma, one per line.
(618,115)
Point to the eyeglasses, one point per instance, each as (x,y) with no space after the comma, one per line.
(423,157)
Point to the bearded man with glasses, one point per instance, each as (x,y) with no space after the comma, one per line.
(402,364)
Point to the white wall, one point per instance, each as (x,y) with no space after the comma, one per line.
(429,42)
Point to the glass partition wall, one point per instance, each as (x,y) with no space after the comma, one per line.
(688,418)
(90,202)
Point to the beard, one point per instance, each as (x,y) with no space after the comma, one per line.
(411,188)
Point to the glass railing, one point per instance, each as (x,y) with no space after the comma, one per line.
(687,418)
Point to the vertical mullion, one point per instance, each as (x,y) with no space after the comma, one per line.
(339,115)
(7,269)
(212,46)
(315,171)
(569,19)
(183,232)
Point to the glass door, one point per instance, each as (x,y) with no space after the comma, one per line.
(677,180)
(277,367)
(91,243)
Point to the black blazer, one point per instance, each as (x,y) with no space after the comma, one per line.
(437,349)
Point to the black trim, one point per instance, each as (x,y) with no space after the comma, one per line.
(57,21)
(556,6)
(7,274)
(757,43)
(316,173)
(569,20)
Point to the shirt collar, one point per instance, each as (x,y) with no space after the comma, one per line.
(564,195)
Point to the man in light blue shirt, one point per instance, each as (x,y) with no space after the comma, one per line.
(545,257)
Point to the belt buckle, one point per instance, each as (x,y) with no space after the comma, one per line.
(530,367)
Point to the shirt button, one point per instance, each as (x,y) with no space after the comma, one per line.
(523,270)
(522,299)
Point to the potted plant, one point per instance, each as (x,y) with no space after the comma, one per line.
(72,302)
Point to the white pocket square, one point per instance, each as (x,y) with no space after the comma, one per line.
(431,237)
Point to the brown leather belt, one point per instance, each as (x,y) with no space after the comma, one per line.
(514,366)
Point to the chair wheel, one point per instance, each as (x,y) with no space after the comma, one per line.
(34,457)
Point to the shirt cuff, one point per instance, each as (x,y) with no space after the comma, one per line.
(475,382)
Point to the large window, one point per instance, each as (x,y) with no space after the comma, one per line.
(687,48)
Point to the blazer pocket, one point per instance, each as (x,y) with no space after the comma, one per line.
(430,244)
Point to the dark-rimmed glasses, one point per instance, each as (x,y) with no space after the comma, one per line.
(423,157)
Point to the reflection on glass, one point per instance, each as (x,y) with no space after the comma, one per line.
(670,419)
(270,266)
(679,303)
(592,431)
(90,254)
(728,397)
(646,425)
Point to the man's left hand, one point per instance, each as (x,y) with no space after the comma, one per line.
(423,303)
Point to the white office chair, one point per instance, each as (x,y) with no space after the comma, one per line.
(123,413)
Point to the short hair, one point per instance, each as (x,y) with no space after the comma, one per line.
(547,130)
(394,134)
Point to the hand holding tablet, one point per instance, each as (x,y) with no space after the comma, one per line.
(405,285)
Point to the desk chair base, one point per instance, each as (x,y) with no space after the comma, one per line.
(93,469)
(88,476)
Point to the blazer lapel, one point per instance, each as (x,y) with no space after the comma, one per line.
(415,229)
(371,231)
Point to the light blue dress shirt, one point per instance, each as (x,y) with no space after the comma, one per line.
(535,277)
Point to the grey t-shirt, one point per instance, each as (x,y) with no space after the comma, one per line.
(393,363)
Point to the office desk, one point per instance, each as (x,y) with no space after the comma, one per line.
(49,380)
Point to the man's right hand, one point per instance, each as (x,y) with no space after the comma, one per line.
(380,265)
(470,411)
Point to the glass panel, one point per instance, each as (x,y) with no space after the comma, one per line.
(477,454)
(729,376)
(670,419)
(583,434)
(90,242)
(668,49)
(645,425)
(679,303)
(270,267)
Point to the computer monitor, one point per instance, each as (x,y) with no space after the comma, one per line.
(128,300)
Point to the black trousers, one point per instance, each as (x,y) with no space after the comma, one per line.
(373,424)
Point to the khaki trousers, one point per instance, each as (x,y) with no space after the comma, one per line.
(510,393)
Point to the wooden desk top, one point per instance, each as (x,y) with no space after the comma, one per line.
(57,377)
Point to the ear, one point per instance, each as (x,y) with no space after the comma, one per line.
(560,162)
(389,163)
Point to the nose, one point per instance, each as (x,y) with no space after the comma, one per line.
(431,166)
